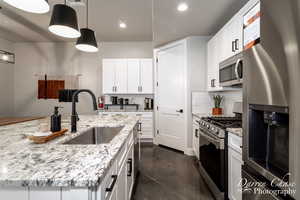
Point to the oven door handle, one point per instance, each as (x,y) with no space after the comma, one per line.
(236,69)
(216,142)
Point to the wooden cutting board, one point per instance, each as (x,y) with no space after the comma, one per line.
(44,139)
(14,120)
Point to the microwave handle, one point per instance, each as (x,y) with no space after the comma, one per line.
(236,69)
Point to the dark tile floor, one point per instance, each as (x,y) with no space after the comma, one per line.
(168,175)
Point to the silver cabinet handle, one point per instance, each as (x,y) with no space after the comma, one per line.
(212,83)
(236,44)
(141,88)
(233,46)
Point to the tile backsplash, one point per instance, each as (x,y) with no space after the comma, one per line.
(133,99)
(229,98)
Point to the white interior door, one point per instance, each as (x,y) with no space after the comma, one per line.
(108,74)
(171,97)
(121,76)
(133,75)
(146,76)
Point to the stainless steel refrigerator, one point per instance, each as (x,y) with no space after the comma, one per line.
(271,102)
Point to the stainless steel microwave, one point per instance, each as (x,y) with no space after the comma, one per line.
(231,71)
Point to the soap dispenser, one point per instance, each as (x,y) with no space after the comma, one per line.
(56,120)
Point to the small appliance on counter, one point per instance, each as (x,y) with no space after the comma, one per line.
(114,100)
(101,102)
(126,101)
(121,101)
(148,104)
(56,120)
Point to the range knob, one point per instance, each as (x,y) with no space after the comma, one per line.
(207,125)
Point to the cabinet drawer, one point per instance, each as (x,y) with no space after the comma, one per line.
(109,182)
(235,142)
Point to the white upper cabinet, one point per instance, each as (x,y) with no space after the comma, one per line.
(121,76)
(133,75)
(146,76)
(231,39)
(127,76)
(108,76)
(114,76)
(225,44)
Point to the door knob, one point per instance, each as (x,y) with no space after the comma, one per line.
(179,111)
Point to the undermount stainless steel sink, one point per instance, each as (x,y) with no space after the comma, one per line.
(96,135)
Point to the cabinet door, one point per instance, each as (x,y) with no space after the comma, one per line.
(210,63)
(113,195)
(121,76)
(234,174)
(133,76)
(146,75)
(196,140)
(238,33)
(147,126)
(108,75)
(121,183)
(228,41)
(14,193)
(130,172)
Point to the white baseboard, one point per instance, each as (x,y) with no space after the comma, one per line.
(189,152)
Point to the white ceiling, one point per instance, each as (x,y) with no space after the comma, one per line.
(204,17)
(104,16)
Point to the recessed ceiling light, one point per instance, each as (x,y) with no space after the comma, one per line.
(123,25)
(182,7)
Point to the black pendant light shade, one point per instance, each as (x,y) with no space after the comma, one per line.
(87,41)
(64,22)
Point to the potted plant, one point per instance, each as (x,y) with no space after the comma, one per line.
(217,110)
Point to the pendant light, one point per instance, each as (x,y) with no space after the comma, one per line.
(33,6)
(64,21)
(87,41)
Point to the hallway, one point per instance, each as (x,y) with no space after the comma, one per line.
(169,175)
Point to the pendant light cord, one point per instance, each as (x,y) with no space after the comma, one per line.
(87,13)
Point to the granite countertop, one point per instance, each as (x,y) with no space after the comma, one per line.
(23,163)
(236,131)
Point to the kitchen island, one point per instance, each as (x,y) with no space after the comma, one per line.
(58,171)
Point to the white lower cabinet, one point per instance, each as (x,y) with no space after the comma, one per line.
(130,171)
(121,183)
(235,163)
(147,125)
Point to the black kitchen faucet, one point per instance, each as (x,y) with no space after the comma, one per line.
(74,117)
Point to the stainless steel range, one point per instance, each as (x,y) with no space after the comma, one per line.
(213,152)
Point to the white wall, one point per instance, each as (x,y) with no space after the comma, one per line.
(64,59)
(6,82)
